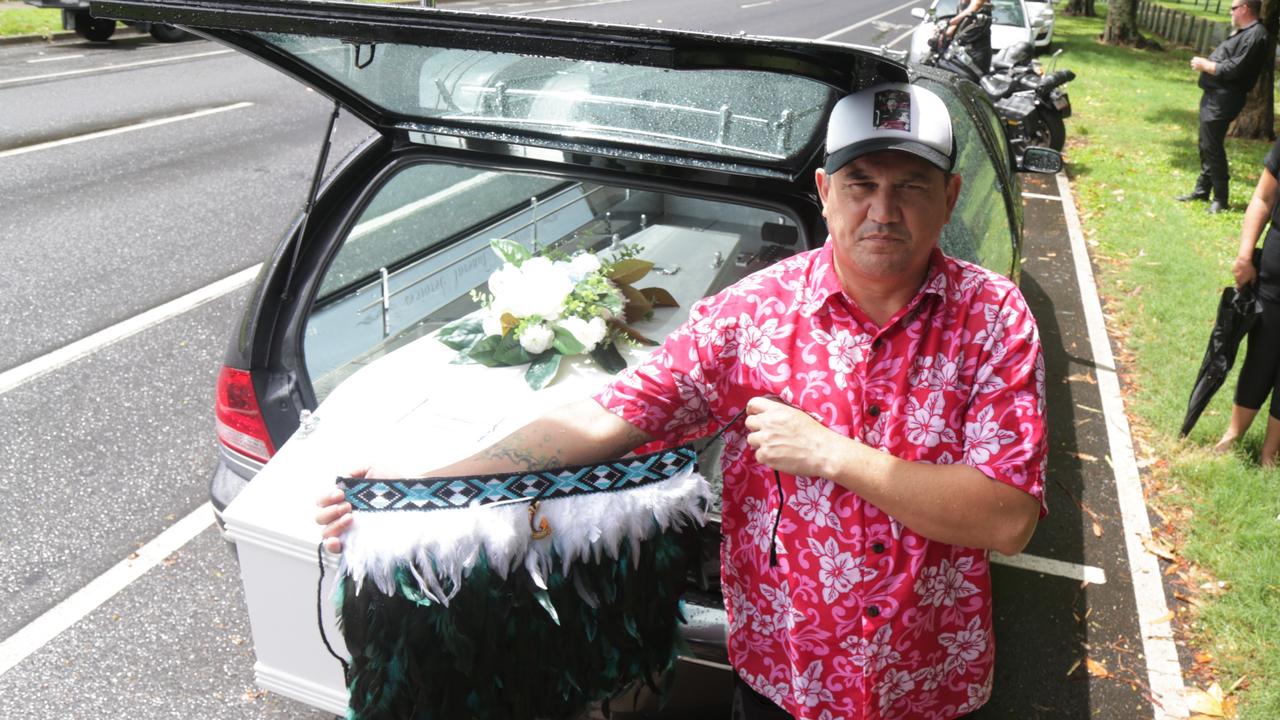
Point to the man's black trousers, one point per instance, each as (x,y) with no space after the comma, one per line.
(1217,110)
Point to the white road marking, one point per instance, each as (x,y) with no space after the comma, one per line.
(860,23)
(84,347)
(567,7)
(55,620)
(1049,566)
(1038,196)
(900,38)
(1164,670)
(123,129)
(56,59)
(140,63)
(755,4)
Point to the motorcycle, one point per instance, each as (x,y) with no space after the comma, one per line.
(1030,100)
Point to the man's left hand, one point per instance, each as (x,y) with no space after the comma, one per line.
(789,440)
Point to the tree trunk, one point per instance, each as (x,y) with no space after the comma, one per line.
(1257,119)
(1122,23)
(1082,8)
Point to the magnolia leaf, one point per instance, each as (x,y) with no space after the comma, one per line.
(566,343)
(509,323)
(485,352)
(510,251)
(632,333)
(659,297)
(608,357)
(461,334)
(638,306)
(509,352)
(1205,703)
(626,272)
(542,370)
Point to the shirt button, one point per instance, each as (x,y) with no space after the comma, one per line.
(873,611)
(874,411)
(877,547)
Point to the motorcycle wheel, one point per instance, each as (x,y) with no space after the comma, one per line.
(1046,129)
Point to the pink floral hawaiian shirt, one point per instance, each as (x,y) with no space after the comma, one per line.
(861,617)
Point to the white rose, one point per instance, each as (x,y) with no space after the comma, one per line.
(535,339)
(582,266)
(491,325)
(588,332)
(537,287)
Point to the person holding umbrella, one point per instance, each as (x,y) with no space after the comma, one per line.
(1260,374)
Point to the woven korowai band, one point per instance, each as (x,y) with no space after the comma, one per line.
(443,493)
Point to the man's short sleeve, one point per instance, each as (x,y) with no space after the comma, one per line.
(1272,161)
(670,394)
(1004,426)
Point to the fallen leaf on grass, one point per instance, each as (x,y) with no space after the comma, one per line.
(1205,702)
(1096,669)
(1204,658)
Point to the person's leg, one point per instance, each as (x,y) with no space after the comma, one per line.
(1270,444)
(1213,157)
(1241,419)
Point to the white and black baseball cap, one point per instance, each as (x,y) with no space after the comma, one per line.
(890,116)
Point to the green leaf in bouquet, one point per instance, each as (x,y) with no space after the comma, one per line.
(509,352)
(484,351)
(461,334)
(608,357)
(659,297)
(566,343)
(510,251)
(626,272)
(542,370)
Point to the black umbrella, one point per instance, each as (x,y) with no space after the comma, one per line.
(1237,311)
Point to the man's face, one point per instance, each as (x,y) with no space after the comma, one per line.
(885,211)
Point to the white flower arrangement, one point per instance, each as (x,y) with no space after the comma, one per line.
(540,309)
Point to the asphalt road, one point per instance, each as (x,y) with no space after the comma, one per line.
(106,213)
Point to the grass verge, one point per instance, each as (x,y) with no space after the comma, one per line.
(1161,266)
(18,19)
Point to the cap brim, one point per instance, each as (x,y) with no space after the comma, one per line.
(849,153)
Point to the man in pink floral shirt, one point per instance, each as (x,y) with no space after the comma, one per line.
(894,435)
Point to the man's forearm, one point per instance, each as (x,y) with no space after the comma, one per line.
(955,504)
(576,434)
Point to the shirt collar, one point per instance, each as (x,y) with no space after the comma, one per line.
(824,283)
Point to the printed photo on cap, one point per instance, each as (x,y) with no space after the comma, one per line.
(892,110)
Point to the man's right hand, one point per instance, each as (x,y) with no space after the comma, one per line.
(1243,271)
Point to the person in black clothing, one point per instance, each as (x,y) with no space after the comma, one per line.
(1260,374)
(1226,77)
(976,35)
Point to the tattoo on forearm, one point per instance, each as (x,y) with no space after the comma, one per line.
(523,456)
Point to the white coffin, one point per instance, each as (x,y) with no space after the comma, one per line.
(411,411)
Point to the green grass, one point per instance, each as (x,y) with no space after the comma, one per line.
(1161,266)
(17,19)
